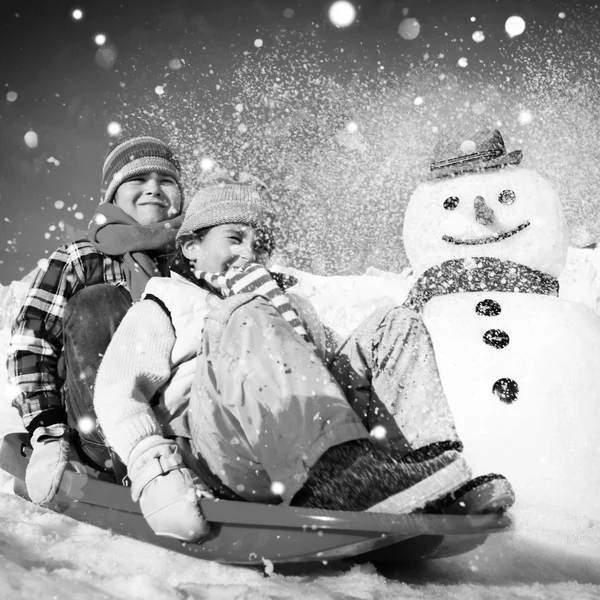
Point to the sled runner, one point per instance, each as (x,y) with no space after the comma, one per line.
(252,534)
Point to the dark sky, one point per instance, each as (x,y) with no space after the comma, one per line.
(204,55)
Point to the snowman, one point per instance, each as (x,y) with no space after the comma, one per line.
(520,366)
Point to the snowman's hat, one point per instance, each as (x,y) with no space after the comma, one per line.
(459,152)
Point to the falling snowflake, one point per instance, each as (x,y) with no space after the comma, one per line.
(525,117)
(207,164)
(409,29)
(86,424)
(106,56)
(113,129)
(468,147)
(342,13)
(379,432)
(277,488)
(99,219)
(514,26)
(31,139)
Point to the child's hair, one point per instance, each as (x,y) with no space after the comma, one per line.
(177,258)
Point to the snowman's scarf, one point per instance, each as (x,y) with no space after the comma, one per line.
(256,279)
(479,274)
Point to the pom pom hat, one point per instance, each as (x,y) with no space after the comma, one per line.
(224,201)
(136,155)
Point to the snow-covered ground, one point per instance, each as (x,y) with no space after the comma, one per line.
(550,554)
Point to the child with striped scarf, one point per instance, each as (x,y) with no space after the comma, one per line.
(215,384)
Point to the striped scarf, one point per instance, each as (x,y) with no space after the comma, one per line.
(256,279)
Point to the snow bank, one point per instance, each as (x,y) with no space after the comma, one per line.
(343,301)
(11,298)
(550,554)
(580,279)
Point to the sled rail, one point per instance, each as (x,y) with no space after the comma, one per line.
(249,532)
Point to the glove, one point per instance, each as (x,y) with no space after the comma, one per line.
(167,491)
(48,462)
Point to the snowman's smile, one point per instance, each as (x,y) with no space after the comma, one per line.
(486,240)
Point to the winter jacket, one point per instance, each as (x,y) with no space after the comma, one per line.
(186,305)
(37,333)
(154,365)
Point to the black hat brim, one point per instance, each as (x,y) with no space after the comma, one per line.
(476,165)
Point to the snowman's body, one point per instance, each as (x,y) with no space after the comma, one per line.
(547,439)
(521,369)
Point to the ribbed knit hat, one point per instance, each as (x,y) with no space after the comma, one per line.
(226,201)
(136,155)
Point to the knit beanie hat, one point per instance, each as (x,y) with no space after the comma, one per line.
(226,201)
(136,155)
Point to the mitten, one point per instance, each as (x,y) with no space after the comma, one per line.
(48,462)
(167,491)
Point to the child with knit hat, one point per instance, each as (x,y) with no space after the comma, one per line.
(214,384)
(77,300)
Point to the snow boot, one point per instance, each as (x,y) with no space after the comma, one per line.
(167,491)
(490,493)
(360,476)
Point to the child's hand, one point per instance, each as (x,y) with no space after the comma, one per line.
(167,491)
(48,462)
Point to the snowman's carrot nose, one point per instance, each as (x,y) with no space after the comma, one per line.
(483,213)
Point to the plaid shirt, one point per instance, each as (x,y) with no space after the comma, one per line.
(37,333)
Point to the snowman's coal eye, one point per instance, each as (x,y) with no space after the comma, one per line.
(451,203)
(507,197)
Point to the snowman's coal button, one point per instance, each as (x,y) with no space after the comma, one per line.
(496,338)
(507,197)
(506,389)
(451,203)
(488,308)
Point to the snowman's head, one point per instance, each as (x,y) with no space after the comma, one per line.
(509,213)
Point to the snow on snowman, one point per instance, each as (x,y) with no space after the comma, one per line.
(487,242)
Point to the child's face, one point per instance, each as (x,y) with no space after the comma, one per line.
(228,246)
(149,198)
